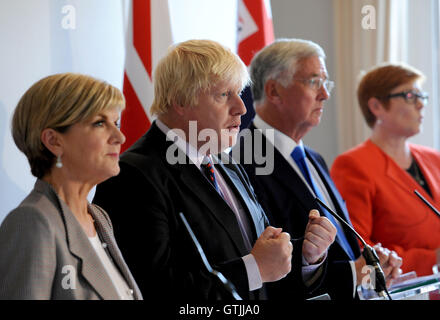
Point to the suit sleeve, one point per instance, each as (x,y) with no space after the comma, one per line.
(154,243)
(27,256)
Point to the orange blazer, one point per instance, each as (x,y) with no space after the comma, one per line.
(382,204)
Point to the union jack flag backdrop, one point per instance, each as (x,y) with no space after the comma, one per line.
(255,30)
(148,37)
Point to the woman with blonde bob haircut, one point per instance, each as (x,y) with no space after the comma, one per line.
(378,178)
(55,245)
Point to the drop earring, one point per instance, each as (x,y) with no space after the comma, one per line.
(59,164)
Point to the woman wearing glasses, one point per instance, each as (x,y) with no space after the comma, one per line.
(377,179)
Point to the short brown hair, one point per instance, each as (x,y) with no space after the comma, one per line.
(57,102)
(380,81)
(190,67)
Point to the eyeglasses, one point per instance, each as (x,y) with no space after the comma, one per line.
(411,96)
(317,83)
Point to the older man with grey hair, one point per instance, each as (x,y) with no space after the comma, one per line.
(289,86)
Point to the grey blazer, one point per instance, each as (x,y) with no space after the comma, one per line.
(45,254)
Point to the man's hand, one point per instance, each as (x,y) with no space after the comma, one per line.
(273,253)
(319,235)
(389,261)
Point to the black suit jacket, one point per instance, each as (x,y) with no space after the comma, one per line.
(144,201)
(287,202)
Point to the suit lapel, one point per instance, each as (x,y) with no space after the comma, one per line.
(338,202)
(331,188)
(244,197)
(108,238)
(286,175)
(403,179)
(202,189)
(79,245)
(91,267)
(196,184)
(428,173)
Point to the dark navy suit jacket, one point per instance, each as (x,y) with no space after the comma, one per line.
(287,202)
(144,202)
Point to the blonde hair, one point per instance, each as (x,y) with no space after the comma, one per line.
(190,67)
(57,102)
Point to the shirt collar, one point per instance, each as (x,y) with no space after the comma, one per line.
(282,142)
(181,143)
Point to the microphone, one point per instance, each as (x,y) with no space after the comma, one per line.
(427,203)
(369,254)
(216,274)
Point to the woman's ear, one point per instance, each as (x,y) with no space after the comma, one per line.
(51,140)
(375,106)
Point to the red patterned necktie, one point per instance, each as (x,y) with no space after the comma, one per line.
(208,171)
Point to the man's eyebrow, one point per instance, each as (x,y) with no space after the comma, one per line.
(314,75)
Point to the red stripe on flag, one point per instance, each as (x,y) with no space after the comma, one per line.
(142,31)
(250,43)
(134,121)
(249,46)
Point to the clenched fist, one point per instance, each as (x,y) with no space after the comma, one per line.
(273,254)
(319,235)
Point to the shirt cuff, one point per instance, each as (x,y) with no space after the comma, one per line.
(308,270)
(353,272)
(253,272)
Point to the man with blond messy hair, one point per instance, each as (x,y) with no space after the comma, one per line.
(173,168)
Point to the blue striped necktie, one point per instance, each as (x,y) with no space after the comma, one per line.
(299,156)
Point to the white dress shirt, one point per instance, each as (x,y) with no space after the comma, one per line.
(121,286)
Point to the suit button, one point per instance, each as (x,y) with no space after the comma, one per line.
(104,245)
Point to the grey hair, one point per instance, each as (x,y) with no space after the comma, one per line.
(279,61)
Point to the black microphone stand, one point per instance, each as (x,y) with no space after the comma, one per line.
(369,254)
(218,276)
(427,203)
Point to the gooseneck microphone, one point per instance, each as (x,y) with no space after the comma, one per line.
(427,203)
(227,285)
(369,254)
